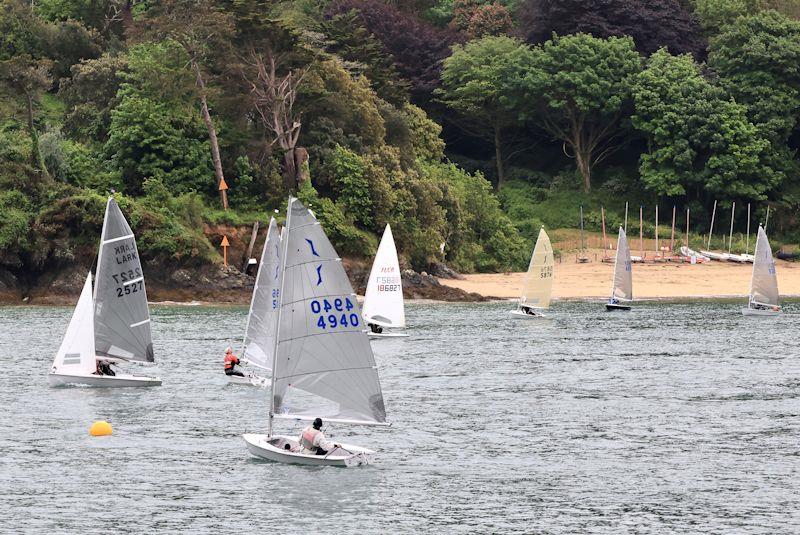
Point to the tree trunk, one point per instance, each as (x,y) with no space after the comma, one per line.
(212,132)
(498,155)
(289,169)
(583,158)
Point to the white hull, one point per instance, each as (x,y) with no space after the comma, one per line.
(760,312)
(247,380)
(272,449)
(386,335)
(103,381)
(520,315)
(721,257)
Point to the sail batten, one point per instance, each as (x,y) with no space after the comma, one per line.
(314,371)
(538,285)
(262,319)
(383,300)
(121,315)
(764,281)
(622,286)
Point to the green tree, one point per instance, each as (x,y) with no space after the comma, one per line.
(578,88)
(699,141)
(481,81)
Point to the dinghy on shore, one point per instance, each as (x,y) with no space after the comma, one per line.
(113,325)
(764,297)
(262,318)
(622,283)
(383,300)
(538,285)
(322,364)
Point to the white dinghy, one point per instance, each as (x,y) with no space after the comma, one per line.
(262,318)
(764,297)
(383,301)
(114,325)
(622,285)
(538,286)
(323,364)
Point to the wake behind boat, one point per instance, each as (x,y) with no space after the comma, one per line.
(383,300)
(113,325)
(538,285)
(764,296)
(622,284)
(262,318)
(322,364)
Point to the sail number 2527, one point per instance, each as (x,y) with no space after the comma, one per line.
(334,313)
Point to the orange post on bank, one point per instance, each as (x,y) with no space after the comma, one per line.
(225,244)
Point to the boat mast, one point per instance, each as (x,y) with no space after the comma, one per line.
(711,229)
(672,237)
(614,277)
(730,237)
(747,243)
(658,251)
(100,251)
(284,249)
(687,227)
(626,217)
(641,234)
(603,216)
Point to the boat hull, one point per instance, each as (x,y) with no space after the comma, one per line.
(272,449)
(102,381)
(617,306)
(520,315)
(372,335)
(760,312)
(247,380)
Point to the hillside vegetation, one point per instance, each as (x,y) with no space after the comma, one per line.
(465,124)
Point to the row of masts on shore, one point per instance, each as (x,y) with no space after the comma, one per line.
(664,252)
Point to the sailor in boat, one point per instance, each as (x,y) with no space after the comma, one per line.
(313,441)
(377,329)
(528,310)
(231,361)
(104,368)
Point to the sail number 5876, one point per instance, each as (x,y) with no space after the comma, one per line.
(335,313)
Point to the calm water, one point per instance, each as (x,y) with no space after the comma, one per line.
(677,417)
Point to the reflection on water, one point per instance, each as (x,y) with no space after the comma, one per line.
(676,417)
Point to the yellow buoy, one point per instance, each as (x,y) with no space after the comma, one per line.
(100,428)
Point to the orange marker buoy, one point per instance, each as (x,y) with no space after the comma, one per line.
(100,428)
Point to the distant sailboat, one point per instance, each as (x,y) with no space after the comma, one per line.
(262,318)
(622,285)
(322,362)
(538,285)
(383,302)
(114,325)
(764,297)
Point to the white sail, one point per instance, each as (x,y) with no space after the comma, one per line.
(262,320)
(383,301)
(323,363)
(121,316)
(764,282)
(76,353)
(623,281)
(538,284)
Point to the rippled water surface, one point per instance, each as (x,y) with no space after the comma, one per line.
(676,417)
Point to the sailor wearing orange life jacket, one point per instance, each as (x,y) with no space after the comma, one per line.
(231,361)
(312,440)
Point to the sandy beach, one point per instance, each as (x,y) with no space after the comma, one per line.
(650,280)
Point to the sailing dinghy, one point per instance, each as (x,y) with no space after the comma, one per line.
(764,298)
(538,284)
(262,318)
(622,285)
(322,362)
(112,325)
(383,301)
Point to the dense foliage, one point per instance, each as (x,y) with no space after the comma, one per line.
(377,111)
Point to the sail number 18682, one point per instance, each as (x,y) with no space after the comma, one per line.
(332,314)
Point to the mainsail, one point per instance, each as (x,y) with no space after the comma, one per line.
(121,317)
(383,302)
(262,320)
(539,280)
(623,281)
(764,282)
(76,353)
(323,364)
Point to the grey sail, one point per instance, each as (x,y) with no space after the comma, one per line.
(262,320)
(623,279)
(324,364)
(764,283)
(121,317)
